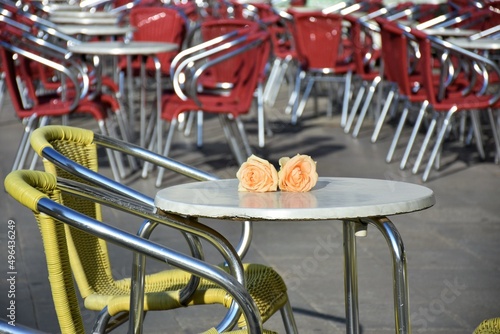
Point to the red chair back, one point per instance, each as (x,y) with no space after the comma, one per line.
(218,27)
(317,37)
(159,24)
(395,56)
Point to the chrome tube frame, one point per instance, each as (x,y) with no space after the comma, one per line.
(350,278)
(400,278)
(186,225)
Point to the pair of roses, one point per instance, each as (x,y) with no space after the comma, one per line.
(297,174)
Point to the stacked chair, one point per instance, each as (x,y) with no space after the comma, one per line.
(318,41)
(200,85)
(433,75)
(45,81)
(25,66)
(71,155)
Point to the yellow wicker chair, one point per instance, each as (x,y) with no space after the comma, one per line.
(488,326)
(73,149)
(40,192)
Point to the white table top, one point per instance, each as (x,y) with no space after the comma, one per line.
(51,8)
(94,30)
(84,20)
(331,199)
(450,32)
(80,14)
(117,48)
(479,44)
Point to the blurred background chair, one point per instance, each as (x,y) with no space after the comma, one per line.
(200,85)
(477,98)
(318,39)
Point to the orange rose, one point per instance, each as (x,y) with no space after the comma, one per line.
(297,174)
(257,175)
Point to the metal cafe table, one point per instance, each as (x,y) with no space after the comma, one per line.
(355,201)
(142,49)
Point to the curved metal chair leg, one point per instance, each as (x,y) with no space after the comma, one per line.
(401,293)
(414,133)
(289,319)
(366,105)
(397,134)
(383,114)
(355,107)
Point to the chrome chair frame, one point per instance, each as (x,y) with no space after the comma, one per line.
(145,247)
(147,228)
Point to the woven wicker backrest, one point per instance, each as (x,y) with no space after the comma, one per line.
(56,253)
(88,254)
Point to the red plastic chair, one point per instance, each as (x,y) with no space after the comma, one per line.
(406,71)
(158,24)
(284,54)
(365,55)
(217,79)
(36,31)
(318,39)
(445,104)
(36,110)
(243,54)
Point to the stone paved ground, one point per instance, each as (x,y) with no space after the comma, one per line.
(452,248)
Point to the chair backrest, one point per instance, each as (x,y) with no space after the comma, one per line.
(394,55)
(361,46)
(214,28)
(54,241)
(89,255)
(244,60)
(21,81)
(159,24)
(317,38)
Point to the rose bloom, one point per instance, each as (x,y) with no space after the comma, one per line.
(257,175)
(297,174)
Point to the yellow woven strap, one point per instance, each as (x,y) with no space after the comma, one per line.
(42,137)
(489,326)
(28,187)
(23,186)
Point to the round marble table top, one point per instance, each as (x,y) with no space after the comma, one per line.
(94,30)
(331,199)
(80,14)
(108,20)
(450,32)
(479,44)
(117,48)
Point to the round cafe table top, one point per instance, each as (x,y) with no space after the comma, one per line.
(332,198)
(450,32)
(107,20)
(94,30)
(479,44)
(119,48)
(80,14)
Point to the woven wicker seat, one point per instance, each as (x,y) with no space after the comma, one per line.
(57,144)
(62,227)
(488,326)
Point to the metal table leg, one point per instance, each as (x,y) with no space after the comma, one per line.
(350,278)
(401,293)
